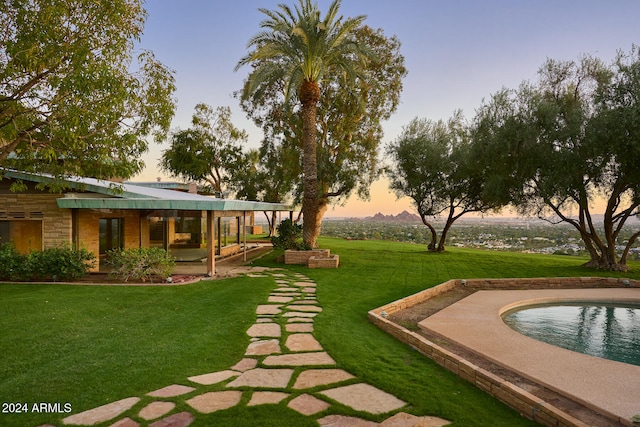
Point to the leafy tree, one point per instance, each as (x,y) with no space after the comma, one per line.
(297,51)
(73,100)
(209,152)
(276,165)
(568,141)
(266,176)
(432,163)
(247,180)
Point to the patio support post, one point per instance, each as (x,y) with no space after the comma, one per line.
(211,252)
(244,234)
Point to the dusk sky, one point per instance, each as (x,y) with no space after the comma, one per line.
(457,53)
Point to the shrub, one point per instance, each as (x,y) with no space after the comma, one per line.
(58,263)
(140,264)
(289,236)
(12,262)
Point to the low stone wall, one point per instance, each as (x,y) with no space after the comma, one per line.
(548,283)
(324,262)
(519,399)
(302,257)
(230,249)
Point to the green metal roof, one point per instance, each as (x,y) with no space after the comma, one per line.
(131,196)
(169,204)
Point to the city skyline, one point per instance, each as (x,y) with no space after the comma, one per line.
(457,54)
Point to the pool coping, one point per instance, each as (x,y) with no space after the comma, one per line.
(477,325)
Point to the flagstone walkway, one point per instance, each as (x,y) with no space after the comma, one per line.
(283,364)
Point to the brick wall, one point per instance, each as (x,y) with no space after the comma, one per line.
(89,231)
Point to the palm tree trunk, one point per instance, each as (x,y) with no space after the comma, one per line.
(312,217)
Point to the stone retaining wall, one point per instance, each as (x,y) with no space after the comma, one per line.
(302,257)
(324,262)
(517,398)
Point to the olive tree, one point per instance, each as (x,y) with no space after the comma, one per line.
(432,163)
(568,146)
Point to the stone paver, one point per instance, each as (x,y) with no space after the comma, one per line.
(304,284)
(260,377)
(305,307)
(245,364)
(215,401)
(171,391)
(308,405)
(344,421)
(263,347)
(315,377)
(299,314)
(365,397)
(300,359)
(267,397)
(299,320)
(271,362)
(156,409)
(102,413)
(302,342)
(214,377)
(296,327)
(280,299)
(402,419)
(265,330)
(181,419)
(125,422)
(268,309)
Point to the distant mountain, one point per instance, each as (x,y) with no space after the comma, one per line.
(403,216)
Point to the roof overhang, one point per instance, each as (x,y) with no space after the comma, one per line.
(93,193)
(165,204)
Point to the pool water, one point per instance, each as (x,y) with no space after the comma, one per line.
(603,330)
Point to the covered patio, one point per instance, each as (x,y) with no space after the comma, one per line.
(103,215)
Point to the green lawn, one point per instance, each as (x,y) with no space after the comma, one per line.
(91,345)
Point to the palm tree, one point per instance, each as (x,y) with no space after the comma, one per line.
(295,51)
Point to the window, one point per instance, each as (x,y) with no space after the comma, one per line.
(111,234)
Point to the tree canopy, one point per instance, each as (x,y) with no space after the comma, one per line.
(348,122)
(209,152)
(75,99)
(568,142)
(433,164)
(300,51)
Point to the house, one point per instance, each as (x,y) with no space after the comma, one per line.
(102,215)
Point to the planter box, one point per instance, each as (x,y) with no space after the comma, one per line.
(302,257)
(331,261)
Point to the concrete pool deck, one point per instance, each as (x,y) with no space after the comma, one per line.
(475,323)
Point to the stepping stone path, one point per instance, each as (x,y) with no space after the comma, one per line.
(283,363)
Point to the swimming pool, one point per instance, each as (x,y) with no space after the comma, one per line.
(475,323)
(609,331)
